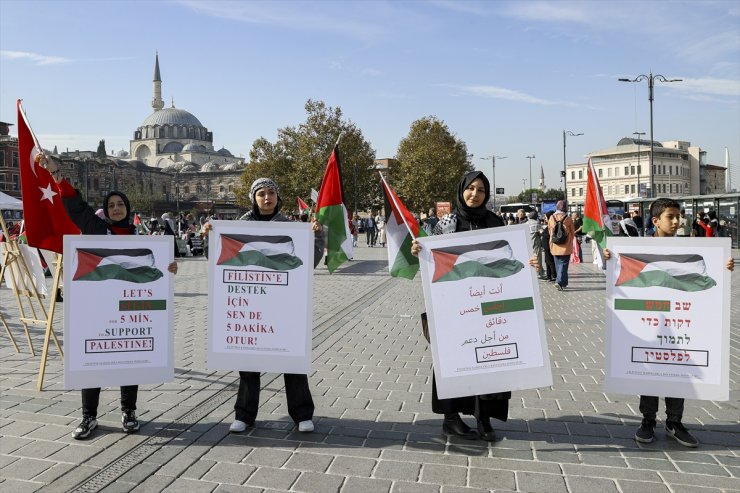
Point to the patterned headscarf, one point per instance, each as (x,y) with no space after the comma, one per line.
(262,183)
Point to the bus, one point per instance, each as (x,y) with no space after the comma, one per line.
(512,208)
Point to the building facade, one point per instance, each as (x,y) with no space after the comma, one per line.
(10,173)
(624,172)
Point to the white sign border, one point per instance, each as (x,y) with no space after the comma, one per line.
(260,363)
(499,380)
(661,388)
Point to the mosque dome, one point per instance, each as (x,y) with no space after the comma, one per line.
(171,116)
(233,167)
(194,147)
(210,166)
(224,152)
(189,168)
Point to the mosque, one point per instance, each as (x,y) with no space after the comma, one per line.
(173,139)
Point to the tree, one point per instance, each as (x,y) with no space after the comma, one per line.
(431,162)
(297,160)
(101,150)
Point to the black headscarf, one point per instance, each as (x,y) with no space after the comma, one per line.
(125,221)
(472,214)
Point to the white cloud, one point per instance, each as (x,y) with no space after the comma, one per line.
(36,58)
(716,46)
(306,16)
(499,93)
(708,86)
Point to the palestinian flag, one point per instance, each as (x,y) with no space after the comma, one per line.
(490,259)
(682,272)
(596,218)
(400,229)
(302,206)
(272,252)
(102,264)
(332,214)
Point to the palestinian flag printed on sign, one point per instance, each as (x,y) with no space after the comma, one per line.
(102,264)
(681,272)
(272,252)
(490,259)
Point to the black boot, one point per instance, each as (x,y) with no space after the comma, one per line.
(485,430)
(454,425)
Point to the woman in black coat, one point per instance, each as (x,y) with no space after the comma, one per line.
(470,214)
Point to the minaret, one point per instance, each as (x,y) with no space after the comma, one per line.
(542,178)
(157,102)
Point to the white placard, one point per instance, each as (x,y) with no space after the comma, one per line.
(485,313)
(118,299)
(260,287)
(668,317)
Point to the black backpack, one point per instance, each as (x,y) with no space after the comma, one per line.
(559,233)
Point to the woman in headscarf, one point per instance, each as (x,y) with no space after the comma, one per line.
(266,205)
(117,212)
(470,213)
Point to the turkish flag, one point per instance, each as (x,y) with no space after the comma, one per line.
(45,218)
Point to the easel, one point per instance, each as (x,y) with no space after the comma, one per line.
(14,264)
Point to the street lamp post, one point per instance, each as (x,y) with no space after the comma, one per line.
(493,162)
(530,176)
(651,84)
(639,138)
(565,165)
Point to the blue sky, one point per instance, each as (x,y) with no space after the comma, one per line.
(506,77)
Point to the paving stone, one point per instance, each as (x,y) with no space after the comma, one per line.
(590,485)
(406,471)
(352,466)
(181,485)
(626,486)
(269,477)
(311,482)
(366,485)
(442,475)
(25,469)
(229,473)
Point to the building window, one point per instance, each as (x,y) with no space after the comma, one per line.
(609,172)
(626,189)
(14,157)
(186,189)
(96,184)
(626,170)
(2,159)
(573,193)
(632,189)
(580,192)
(639,169)
(616,171)
(632,170)
(654,168)
(599,172)
(580,174)
(221,189)
(572,175)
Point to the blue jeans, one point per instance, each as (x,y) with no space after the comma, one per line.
(561,269)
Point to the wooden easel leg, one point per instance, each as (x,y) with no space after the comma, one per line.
(10,334)
(49,325)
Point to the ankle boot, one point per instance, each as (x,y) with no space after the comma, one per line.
(454,425)
(485,430)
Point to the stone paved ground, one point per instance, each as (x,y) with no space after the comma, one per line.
(375,432)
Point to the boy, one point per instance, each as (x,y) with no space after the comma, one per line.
(666,216)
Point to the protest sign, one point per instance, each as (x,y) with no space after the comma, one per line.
(260,289)
(668,317)
(117,311)
(485,314)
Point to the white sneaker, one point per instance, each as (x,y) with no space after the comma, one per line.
(237,426)
(305,426)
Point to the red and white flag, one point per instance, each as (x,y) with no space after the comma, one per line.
(302,206)
(45,218)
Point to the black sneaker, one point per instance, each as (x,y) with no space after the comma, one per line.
(646,432)
(83,430)
(129,421)
(679,433)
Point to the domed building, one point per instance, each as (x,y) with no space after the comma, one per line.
(172,135)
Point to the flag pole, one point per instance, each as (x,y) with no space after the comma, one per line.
(395,204)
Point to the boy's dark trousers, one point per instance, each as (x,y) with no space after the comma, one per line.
(673,407)
(91,397)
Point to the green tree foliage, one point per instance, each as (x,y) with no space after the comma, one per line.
(101,153)
(431,162)
(297,160)
(550,194)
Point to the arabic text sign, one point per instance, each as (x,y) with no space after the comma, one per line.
(117,311)
(484,311)
(668,317)
(260,296)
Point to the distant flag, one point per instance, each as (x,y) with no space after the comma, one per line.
(490,259)
(272,252)
(401,229)
(596,218)
(332,213)
(101,264)
(303,207)
(681,272)
(45,217)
